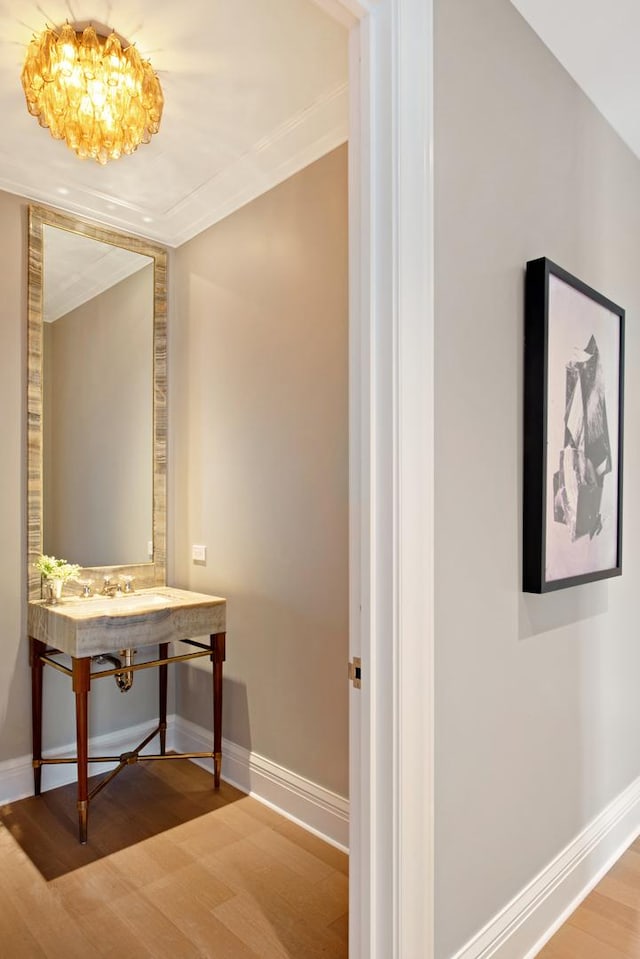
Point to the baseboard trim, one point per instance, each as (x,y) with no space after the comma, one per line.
(520,930)
(16,775)
(313,807)
(320,811)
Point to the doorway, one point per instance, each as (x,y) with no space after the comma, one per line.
(392,479)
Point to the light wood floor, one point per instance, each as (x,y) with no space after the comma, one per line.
(607,924)
(172,869)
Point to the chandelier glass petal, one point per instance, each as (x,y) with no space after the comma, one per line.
(103,101)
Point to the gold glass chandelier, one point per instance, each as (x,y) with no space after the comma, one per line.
(103,101)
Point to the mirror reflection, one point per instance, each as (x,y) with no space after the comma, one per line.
(96,400)
(97,419)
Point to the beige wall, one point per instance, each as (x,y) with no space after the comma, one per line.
(98,421)
(258,388)
(537,718)
(258,469)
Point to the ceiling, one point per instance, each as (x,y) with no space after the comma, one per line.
(597,43)
(255,90)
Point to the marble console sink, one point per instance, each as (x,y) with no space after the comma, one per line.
(100,624)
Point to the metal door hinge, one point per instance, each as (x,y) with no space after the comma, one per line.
(355,672)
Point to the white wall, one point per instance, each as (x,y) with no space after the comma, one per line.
(537,715)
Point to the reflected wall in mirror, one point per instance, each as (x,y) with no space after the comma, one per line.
(97,398)
(97,425)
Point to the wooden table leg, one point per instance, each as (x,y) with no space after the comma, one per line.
(81,683)
(217,658)
(36,650)
(163,652)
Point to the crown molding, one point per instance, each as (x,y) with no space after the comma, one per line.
(300,140)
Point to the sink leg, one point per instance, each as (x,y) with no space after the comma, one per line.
(81,683)
(217,658)
(36,650)
(83,810)
(163,650)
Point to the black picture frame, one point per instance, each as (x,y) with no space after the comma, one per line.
(573,431)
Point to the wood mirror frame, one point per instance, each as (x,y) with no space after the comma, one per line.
(145,574)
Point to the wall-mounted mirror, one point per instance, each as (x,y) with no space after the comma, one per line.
(96,399)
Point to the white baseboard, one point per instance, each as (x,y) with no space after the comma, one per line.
(520,930)
(322,812)
(317,809)
(16,775)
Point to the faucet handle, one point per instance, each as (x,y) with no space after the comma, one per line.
(111,586)
(86,585)
(127,584)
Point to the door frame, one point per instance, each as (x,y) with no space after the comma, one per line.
(391,449)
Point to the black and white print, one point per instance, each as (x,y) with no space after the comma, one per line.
(582,432)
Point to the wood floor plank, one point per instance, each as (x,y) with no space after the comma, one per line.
(275,933)
(341,927)
(16,937)
(204,835)
(304,863)
(109,936)
(84,890)
(238,817)
(191,888)
(251,927)
(173,870)
(306,840)
(333,896)
(572,943)
(141,864)
(241,860)
(148,924)
(618,912)
(606,930)
(260,912)
(44,914)
(607,924)
(188,898)
(622,887)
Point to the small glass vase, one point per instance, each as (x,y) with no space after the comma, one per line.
(53,590)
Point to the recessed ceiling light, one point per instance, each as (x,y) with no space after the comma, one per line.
(63,190)
(147,219)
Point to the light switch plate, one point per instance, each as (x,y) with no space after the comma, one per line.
(199,554)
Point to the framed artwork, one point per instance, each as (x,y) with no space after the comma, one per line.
(573,419)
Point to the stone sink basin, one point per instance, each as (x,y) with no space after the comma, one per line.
(100,624)
(117,605)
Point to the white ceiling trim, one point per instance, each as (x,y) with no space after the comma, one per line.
(69,204)
(287,150)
